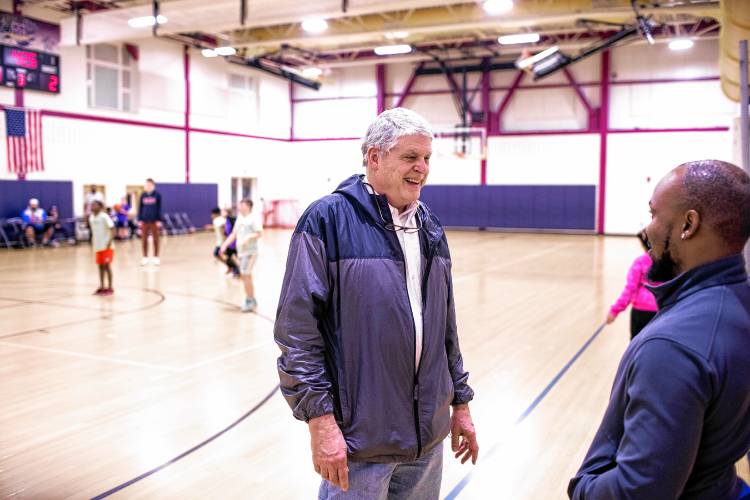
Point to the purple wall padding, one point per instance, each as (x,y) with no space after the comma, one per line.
(196,200)
(514,207)
(14,196)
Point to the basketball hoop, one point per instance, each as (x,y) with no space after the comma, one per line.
(457,142)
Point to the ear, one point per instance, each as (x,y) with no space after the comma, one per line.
(373,157)
(691,225)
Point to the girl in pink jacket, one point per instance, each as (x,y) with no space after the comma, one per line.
(644,303)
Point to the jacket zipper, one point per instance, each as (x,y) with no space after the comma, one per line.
(415,371)
(428,265)
(414,332)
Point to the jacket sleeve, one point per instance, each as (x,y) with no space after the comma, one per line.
(462,393)
(662,428)
(304,380)
(634,279)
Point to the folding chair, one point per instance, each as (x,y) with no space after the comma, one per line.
(169,226)
(4,240)
(177,220)
(14,231)
(189,226)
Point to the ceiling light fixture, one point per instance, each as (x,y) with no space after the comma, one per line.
(390,50)
(209,53)
(519,38)
(144,22)
(495,7)
(397,35)
(681,44)
(526,62)
(312,72)
(225,51)
(315,25)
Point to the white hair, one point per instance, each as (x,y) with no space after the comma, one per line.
(391,125)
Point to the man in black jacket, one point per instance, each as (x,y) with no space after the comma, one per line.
(679,414)
(149,215)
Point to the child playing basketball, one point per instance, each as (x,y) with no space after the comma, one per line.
(102,235)
(246,232)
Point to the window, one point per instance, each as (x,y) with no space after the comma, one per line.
(111,77)
(243,83)
(243,99)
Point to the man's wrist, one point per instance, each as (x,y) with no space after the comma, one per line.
(322,421)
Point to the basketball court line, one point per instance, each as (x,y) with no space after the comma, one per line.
(94,357)
(195,448)
(453,494)
(107,316)
(46,303)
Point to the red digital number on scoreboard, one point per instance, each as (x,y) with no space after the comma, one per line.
(21,80)
(24,59)
(53,85)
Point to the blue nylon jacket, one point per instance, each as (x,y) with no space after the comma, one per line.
(346,330)
(679,414)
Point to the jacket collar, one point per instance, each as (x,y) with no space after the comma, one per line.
(726,271)
(355,190)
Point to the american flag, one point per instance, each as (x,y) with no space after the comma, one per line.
(24,140)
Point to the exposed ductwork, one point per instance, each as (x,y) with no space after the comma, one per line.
(735,26)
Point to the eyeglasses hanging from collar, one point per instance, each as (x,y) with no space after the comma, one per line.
(390,226)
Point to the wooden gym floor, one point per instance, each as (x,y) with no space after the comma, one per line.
(98,392)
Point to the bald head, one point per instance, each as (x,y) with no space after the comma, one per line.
(720,193)
(700,212)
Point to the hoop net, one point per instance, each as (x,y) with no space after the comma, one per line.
(456,142)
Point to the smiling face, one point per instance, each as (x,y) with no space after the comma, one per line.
(400,173)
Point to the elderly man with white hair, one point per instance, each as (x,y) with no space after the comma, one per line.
(367,328)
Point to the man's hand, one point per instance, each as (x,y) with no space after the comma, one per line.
(329,451)
(463,437)
(611,318)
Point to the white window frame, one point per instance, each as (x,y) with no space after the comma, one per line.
(122,67)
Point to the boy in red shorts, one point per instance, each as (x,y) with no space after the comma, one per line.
(102,235)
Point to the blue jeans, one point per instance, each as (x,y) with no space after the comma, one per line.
(419,480)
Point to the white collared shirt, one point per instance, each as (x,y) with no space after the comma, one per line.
(413,268)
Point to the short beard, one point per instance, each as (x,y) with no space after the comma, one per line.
(664,269)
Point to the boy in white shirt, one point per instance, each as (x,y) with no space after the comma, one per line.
(102,236)
(246,232)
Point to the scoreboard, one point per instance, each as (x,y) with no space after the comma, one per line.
(29,69)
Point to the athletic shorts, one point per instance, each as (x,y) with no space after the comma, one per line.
(105,256)
(247,262)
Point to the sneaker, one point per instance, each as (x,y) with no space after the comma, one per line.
(144,261)
(99,291)
(155,261)
(107,291)
(250,305)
